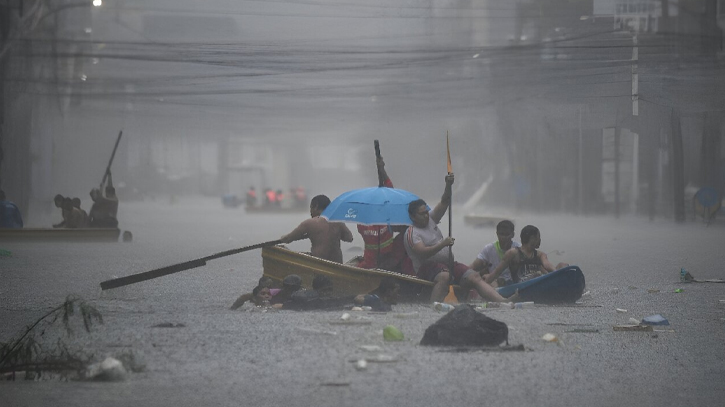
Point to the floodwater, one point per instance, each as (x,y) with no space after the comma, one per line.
(285,358)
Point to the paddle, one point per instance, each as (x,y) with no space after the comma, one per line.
(175,268)
(108,168)
(381,181)
(450,205)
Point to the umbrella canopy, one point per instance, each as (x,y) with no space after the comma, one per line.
(371,206)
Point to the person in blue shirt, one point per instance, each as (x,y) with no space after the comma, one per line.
(9,214)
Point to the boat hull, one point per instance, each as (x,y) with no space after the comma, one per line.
(60,235)
(279,262)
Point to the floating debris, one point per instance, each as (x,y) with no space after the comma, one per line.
(168,325)
(638,328)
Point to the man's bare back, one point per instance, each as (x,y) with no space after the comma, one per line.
(324,236)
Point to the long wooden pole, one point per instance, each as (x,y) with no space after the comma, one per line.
(175,268)
(108,168)
(381,182)
(450,204)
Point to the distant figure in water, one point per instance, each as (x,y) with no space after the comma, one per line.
(74,216)
(525,262)
(251,200)
(84,215)
(324,236)
(105,208)
(9,213)
(58,201)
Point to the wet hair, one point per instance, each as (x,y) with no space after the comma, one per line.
(110,191)
(76,202)
(67,203)
(320,202)
(292,281)
(320,282)
(258,289)
(505,225)
(413,206)
(265,281)
(58,200)
(527,232)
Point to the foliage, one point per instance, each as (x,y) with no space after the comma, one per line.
(34,351)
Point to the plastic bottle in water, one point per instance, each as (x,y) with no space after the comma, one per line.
(525,304)
(683,273)
(442,307)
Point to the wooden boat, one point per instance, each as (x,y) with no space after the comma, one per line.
(347,280)
(60,235)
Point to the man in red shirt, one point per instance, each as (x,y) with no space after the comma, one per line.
(382,249)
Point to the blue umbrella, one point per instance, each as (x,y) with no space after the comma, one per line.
(371,206)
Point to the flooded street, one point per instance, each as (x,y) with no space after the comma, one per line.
(248,357)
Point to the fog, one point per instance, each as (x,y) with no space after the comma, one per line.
(218,96)
(597,121)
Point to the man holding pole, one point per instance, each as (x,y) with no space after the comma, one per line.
(431,252)
(104,209)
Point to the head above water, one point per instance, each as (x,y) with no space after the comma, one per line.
(76,202)
(261,294)
(292,281)
(2,195)
(528,232)
(95,193)
(58,201)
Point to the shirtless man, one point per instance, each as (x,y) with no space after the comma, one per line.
(525,262)
(74,218)
(324,236)
(58,201)
(104,209)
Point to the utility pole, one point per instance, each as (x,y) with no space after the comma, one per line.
(678,167)
(635,77)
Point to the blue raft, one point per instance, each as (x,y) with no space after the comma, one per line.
(562,286)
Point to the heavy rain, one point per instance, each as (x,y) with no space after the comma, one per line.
(598,121)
